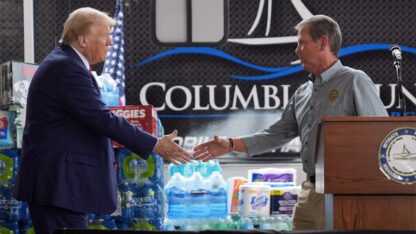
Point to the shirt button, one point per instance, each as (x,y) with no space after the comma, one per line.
(311,107)
(309,125)
(316,89)
(305,161)
(306,143)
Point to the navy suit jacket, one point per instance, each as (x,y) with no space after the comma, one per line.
(67,157)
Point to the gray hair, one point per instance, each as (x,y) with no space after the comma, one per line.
(320,25)
(80,21)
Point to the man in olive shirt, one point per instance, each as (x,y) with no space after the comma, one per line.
(333,90)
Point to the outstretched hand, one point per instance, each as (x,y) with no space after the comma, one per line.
(169,150)
(211,149)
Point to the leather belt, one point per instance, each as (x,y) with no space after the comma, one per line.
(311,179)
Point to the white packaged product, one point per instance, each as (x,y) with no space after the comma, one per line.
(254,200)
(272,175)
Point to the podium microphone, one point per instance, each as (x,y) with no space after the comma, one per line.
(396,52)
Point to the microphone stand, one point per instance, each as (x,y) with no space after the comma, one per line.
(402,103)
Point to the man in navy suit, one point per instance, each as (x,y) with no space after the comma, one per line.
(66,168)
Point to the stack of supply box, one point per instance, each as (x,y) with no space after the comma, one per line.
(266,201)
(196,197)
(140,180)
(15,78)
(14,215)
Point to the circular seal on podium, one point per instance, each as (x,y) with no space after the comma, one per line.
(397,155)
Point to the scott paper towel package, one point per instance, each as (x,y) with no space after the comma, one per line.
(233,189)
(272,175)
(254,200)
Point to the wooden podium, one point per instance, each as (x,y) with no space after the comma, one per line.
(358,195)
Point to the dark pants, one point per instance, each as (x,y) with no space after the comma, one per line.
(48,218)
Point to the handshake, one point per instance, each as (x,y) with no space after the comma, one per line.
(169,150)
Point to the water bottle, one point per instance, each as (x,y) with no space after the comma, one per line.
(194,165)
(159,171)
(149,201)
(217,194)
(203,168)
(185,169)
(199,199)
(246,224)
(133,169)
(10,208)
(284,223)
(9,227)
(160,129)
(141,224)
(177,197)
(213,165)
(9,160)
(173,169)
(128,204)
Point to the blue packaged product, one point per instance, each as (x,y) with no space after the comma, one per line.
(128,202)
(10,208)
(149,202)
(108,89)
(217,195)
(9,160)
(199,200)
(177,198)
(145,224)
(160,129)
(159,175)
(133,169)
(9,227)
(122,223)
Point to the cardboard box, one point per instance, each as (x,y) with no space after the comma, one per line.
(144,117)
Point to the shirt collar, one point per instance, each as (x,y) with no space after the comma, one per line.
(84,60)
(328,74)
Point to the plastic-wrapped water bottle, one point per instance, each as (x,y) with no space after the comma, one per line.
(128,204)
(149,199)
(10,208)
(194,165)
(199,199)
(173,169)
(213,165)
(284,223)
(185,170)
(217,195)
(203,168)
(9,227)
(9,161)
(246,224)
(159,171)
(177,197)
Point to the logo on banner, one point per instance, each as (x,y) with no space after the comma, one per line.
(397,155)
